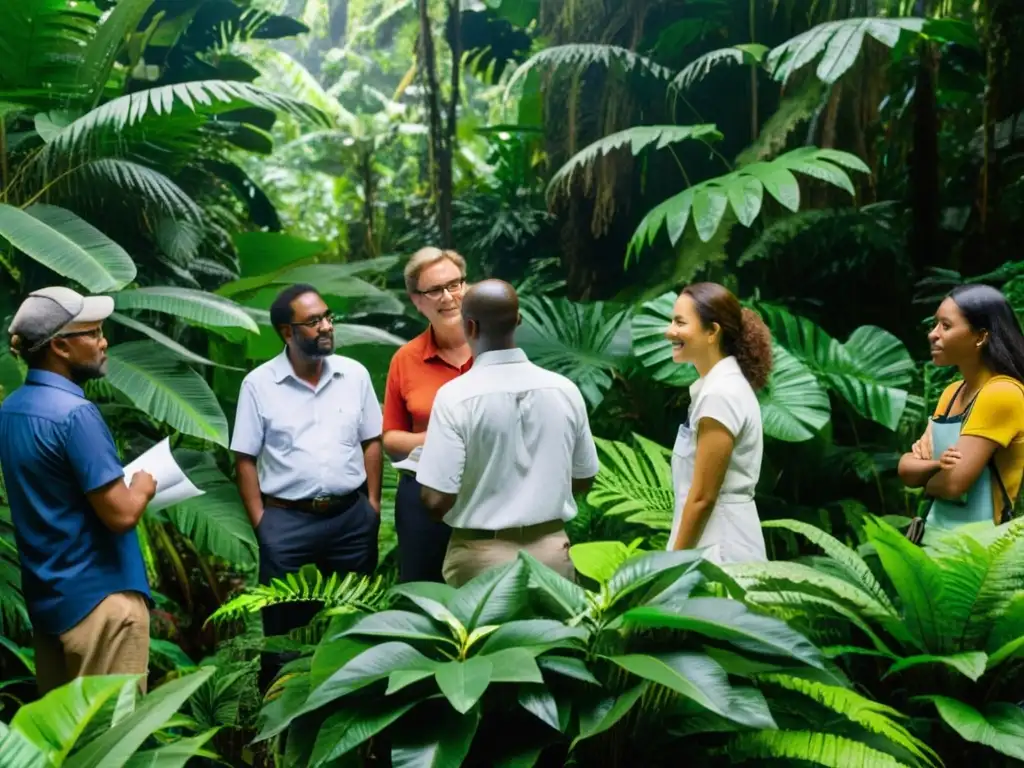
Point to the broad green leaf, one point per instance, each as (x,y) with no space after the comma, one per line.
(732,621)
(651,347)
(67,245)
(598,560)
(371,665)
(445,743)
(431,599)
(11,375)
(401,625)
(540,702)
(19,752)
(568,667)
(119,743)
(514,665)
(555,594)
(597,716)
(794,405)
(533,635)
(177,754)
(823,749)
(54,723)
(215,522)
(345,730)
(166,341)
(495,596)
(583,342)
(971,664)
(200,307)
(1000,726)
(167,390)
(654,571)
(263,253)
(464,682)
(692,675)
(751,53)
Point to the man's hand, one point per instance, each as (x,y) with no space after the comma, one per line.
(143,483)
(375,503)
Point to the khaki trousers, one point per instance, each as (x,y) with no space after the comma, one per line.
(113,639)
(472,552)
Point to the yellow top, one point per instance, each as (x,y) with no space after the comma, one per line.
(998,415)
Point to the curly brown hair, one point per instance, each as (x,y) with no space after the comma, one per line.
(744,334)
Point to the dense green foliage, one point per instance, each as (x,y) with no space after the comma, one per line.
(838,165)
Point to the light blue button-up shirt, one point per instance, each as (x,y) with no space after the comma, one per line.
(307,440)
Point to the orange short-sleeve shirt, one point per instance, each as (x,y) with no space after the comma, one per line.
(417,371)
(998,415)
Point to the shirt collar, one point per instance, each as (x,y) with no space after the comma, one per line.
(501,357)
(282,367)
(727,366)
(430,348)
(49,379)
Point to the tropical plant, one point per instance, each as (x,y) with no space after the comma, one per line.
(937,629)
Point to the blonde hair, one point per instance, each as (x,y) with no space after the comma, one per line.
(425,257)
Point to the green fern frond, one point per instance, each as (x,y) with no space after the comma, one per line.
(743,190)
(201,97)
(838,43)
(582,55)
(1003,583)
(352,592)
(638,138)
(635,482)
(145,184)
(798,105)
(839,552)
(752,53)
(871,715)
(825,749)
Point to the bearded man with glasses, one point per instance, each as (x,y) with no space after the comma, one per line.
(307,444)
(74,515)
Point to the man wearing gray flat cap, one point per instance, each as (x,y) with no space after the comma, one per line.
(74,516)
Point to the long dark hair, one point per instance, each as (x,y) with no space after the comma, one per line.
(986,309)
(744,334)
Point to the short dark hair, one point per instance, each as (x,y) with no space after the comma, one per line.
(281,311)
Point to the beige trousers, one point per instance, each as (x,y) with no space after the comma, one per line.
(113,639)
(470,553)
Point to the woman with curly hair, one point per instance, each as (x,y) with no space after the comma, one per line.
(716,459)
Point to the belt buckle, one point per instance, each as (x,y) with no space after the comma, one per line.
(321,503)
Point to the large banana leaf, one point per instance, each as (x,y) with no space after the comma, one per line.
(584,342)
(184,353)
(651,347)
(871,371)
(794,406)
(167,390)
(200,307)
(215,522)
(634,481)
(1000,726)
(68,245)
(11,374)
(264,253)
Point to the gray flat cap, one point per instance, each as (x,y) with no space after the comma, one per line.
(48,311)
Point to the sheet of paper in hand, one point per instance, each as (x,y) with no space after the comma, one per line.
(411,462)
(172,486)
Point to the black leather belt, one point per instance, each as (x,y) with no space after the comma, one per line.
(318,506)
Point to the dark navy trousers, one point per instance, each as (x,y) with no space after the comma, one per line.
(422,543)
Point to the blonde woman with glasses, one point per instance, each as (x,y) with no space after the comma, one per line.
(436,282)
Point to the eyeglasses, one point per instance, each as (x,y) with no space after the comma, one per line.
(314,322)
(95,333)
(454,288)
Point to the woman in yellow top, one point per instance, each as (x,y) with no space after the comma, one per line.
(970,459)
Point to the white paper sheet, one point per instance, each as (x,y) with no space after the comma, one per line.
(411,462)
(172,486)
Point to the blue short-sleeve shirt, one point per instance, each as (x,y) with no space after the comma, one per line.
(54,449)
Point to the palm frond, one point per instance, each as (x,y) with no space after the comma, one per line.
(579,56)
(750,53)
(871,715)
(825,749)
(339,594)
(283,75)
(743,190)
(638,138)
(201,97)
(143,183)
(838,43)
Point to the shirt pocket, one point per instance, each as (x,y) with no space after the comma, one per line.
(284,430)
(348,419)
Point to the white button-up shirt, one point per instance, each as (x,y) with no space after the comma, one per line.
(307,440)
(507,437)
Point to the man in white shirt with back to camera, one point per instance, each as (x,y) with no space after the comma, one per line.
(507,446)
